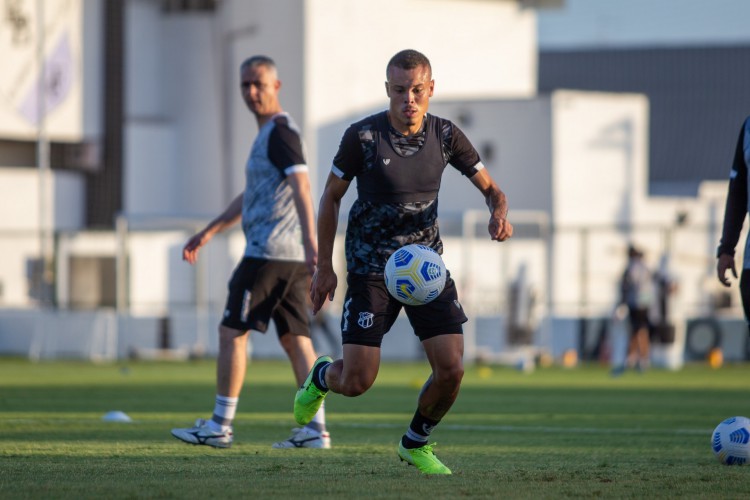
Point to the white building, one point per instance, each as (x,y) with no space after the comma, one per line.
(573,164)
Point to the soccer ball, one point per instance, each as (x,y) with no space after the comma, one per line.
(731,441)
(415,274)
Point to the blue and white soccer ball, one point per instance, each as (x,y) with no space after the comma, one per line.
(415,274)
(731,441)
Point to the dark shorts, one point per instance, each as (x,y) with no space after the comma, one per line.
(370,311)
(261,290)
(638,319)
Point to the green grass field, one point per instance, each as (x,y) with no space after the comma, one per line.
(553,433)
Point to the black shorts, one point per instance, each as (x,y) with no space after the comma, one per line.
(261,290)
(638,319)
(370,311)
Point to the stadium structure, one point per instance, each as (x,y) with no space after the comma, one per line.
(138,135)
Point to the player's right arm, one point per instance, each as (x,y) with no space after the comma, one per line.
(736,208)
(229,217)
(324,282)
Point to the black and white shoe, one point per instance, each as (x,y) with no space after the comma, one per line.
(306,438)
(201,433)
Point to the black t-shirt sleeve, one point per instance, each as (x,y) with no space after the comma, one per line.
(285,147)
(349,159)
(736,207)
(461,153)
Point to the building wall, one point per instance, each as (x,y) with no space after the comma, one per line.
(514,140)
(478,50)
(696,109)
(72,51)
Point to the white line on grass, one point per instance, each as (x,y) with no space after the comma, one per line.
(546,429)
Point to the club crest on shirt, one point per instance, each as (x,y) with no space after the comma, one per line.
(365,319)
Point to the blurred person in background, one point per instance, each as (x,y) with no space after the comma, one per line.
(662,317)
(271,282)
(734,217)
(637,295)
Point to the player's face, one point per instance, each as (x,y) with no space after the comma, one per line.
(409,91)
(260,90)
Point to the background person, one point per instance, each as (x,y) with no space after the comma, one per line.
(734,217)
(272,280)
(637,294)
(398,157)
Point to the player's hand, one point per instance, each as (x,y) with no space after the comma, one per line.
(724,263)
(190,250)
(500,229)
(322,287)
(620,312)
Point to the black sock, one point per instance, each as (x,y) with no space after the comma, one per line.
(419,431)
(318,378)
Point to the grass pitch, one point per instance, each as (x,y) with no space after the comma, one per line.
(553,433)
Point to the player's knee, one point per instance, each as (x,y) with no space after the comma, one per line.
(450,376)
(229,336)
(353,387)
(290,343)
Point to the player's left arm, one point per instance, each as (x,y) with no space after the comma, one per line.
(499,227)
(300,184)
(286,152)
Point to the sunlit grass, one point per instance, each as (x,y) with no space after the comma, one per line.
(553,433)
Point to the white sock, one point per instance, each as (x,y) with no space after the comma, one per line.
(318,422)
(224,412)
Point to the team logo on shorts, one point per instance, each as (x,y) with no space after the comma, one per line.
(365,319)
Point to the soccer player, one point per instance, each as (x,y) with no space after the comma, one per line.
(734,216)
(398,157)
(272,280)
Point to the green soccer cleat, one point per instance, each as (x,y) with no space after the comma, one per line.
(423,459)
(309,398)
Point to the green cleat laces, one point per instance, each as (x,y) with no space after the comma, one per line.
(423,459)
(308,399)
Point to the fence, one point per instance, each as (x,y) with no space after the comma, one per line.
(127,292)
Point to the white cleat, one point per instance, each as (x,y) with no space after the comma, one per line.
(201,433)
(306,438)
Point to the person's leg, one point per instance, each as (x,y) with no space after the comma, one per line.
(350,376)
(445,354)
(245,310)
(291,315)
(355,373)
(301,354)
(369,312)
(231,365)
(632,355)
(299,349)
(644,344)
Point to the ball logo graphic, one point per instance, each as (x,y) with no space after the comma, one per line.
(415,274)
(730,441)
